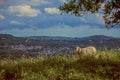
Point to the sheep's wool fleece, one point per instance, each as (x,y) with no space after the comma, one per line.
(88,51)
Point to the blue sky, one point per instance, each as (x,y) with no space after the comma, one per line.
(42,18)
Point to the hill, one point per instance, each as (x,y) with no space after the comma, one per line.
(99,41)
(98,37)
(94,37)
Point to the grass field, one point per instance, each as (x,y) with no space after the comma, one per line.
(63,67)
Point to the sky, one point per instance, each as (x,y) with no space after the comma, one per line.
(42,18)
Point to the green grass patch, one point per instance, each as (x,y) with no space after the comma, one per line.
(106,66)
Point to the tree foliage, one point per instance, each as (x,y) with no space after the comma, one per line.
(109,8)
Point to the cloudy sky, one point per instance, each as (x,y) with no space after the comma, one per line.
(42,18)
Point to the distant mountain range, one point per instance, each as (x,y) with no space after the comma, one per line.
(99,41)
(99,37)
(95,37)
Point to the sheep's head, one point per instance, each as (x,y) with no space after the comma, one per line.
(78,49)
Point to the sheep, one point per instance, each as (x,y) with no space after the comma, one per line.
(87,51)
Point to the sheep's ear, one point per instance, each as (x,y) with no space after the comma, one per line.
(76,48)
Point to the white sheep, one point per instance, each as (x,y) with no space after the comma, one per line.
(87,51)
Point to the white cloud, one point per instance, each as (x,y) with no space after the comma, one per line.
(15,22)
(38,2)
(23,2)
(2,17)
(64,1)
(102,6)
(52,10)
(23,10)
(99,18)
(95,18)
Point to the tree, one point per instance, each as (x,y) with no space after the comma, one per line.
(109,8)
